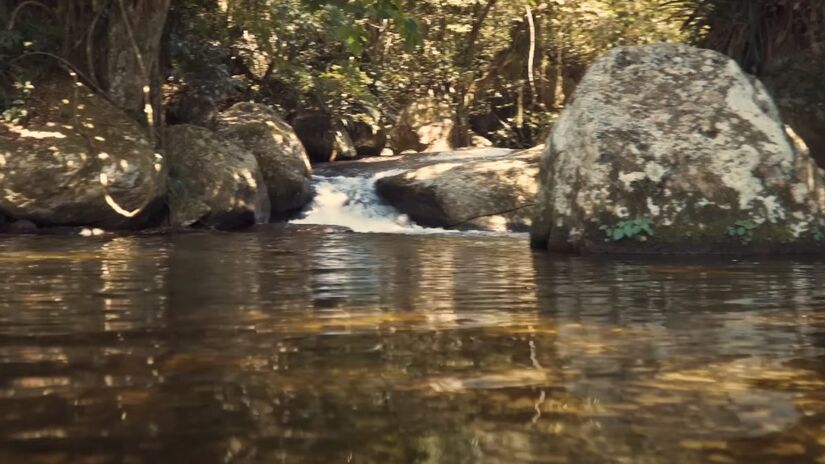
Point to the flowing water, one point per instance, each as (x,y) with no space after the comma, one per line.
(301,344)
(353,203)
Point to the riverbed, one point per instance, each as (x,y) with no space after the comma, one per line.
(308,344)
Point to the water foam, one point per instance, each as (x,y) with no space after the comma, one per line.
(353,202)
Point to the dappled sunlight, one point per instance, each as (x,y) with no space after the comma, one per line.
(25,133)
(430,172)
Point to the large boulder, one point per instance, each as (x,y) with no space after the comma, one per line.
(280,154)
(669,148)
(213,182)
(425,125)
(323,137)
(495,193)
(78,161)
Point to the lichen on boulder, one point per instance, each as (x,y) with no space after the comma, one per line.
(681,141)
(279,152)
(79,160)
(213,182)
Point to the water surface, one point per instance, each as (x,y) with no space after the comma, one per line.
(297,345)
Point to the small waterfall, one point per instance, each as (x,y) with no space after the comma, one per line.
(351,201)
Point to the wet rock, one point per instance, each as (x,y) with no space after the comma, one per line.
(496,193)
(281,156)
(669,148)
(213,182)
(79,161)
(323,137)
(424,125)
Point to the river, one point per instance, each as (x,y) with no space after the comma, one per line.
(310,344)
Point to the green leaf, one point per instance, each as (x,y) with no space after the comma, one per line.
(618,234)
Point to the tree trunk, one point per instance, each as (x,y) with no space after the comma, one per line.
(115,46)
(465,93)
(134,34)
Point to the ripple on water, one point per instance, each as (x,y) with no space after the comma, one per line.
(284,345)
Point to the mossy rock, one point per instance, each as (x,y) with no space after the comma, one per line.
(683,139)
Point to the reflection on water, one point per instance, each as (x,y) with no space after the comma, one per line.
(297,346)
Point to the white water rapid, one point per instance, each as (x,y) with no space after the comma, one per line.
(351,201)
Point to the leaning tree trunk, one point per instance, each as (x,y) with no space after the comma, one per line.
(132,56)
(114,45)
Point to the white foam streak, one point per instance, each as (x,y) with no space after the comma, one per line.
(353,202)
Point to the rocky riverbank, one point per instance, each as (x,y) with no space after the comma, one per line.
(663,148)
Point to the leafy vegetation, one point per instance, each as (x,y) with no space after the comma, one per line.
(505,67)
(819,235)
(641,229)
(759,34)
(743,230)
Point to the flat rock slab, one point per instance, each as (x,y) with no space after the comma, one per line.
(373,166)
(494,193)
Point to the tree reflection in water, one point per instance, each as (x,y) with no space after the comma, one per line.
(297,346)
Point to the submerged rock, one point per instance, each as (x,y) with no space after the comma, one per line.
(213,182)
(495,193)
(281,156)
(78,161)
(669,148)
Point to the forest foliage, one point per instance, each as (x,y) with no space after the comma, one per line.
(505,66)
